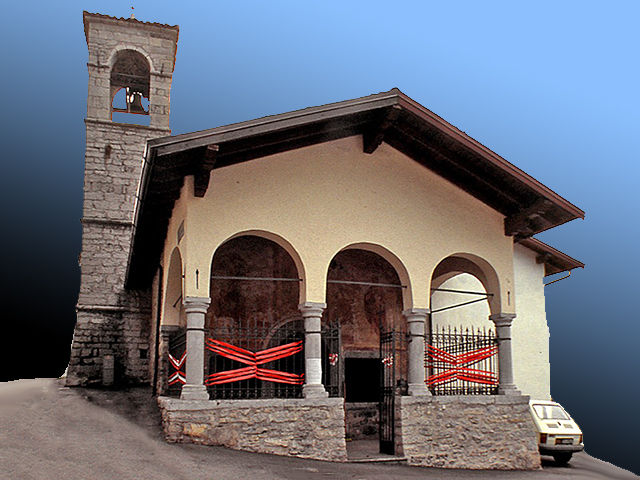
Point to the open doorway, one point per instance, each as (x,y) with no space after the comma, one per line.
(364,293)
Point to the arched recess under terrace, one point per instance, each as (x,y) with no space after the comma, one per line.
(172,311)
(465,291)
(365,292)
(465,270)
(255,290)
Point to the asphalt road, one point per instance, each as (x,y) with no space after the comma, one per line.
(49,432)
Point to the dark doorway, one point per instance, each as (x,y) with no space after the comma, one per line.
(362,379)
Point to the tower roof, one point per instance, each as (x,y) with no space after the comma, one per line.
(90,17)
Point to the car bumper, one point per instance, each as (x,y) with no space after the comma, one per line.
(551,449)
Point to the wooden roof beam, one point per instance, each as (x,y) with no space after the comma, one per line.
(449,164)
(372,137)
(528,221)
(203,170)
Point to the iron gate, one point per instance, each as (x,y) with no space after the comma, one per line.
(393,347)
(332,359)
(387,402)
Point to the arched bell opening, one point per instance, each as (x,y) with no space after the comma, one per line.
(130,86)
(254,316)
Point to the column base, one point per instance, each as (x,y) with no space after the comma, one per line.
(315,390)
(194,392)
(509,389)
(418,390)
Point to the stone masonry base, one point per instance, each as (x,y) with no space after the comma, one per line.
(470,432)
(308,428)
(474,432)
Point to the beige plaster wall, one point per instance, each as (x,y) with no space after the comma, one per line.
(530,333)
(175,315)
(324,198)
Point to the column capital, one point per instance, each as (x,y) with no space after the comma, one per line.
(312,309)
(416,314)
(502,319)
(196,304)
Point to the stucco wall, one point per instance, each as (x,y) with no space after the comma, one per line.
(530,333)
(323,198)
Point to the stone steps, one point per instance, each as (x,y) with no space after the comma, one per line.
(386,459)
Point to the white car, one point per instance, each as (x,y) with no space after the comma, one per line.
(558,435)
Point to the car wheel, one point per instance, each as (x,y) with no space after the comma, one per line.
(562,458)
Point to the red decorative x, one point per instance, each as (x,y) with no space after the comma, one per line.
(178,376)
(460,366)
(253,360)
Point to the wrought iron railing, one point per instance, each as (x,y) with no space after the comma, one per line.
(462,362)
(250,359)
(177,362)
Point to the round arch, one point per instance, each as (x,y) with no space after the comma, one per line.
(113,56)
(280,241)
(474,265)
(173,292)
(394,261)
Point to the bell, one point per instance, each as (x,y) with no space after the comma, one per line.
(134,102)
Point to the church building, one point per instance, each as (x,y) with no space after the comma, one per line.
(302,283)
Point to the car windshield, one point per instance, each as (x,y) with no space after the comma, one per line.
(550,412)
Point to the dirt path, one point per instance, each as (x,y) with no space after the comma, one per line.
(48,432)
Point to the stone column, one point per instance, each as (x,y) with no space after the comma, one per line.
(505,362)
(194,389)
(312,314)
(417,321)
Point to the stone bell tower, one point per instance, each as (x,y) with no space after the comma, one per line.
(111,340)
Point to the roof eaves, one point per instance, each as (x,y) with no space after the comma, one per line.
(567,263)
(273,123)
(488,154)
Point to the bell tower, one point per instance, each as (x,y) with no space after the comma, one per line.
(111,343)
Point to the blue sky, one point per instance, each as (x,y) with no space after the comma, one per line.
(550,86)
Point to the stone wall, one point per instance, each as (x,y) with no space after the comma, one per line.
(112,321)
(361,420)
(307,428)
(118,333)
(475,432)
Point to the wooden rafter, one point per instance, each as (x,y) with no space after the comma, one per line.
(203,170)
(529,220)
(373,136)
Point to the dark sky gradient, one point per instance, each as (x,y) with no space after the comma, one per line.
(550,86)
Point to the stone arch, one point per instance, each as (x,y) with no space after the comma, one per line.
(119,48)
(474,265)
(130,69)
(394,261)
(173,292)
(282,242)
